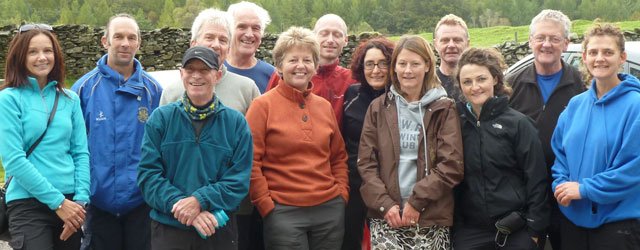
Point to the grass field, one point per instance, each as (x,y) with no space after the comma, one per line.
(487,37)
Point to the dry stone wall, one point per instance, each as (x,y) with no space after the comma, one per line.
(162,49)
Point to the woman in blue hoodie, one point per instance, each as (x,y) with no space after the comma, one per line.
(597,169)
(49,188)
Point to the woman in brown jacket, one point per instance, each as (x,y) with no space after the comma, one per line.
(408,180)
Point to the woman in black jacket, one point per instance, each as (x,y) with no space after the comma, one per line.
(504,169)
(370,67)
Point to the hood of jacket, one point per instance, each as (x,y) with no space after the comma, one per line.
(627,84)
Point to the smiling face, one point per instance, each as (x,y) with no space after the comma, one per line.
(199,81)
(247,34)
(376,68)
(450,41)
(298,67)
(411,69)
(214,36)
(547,43)
(477,85)
(40,58)
(123,42)
(603,58)
(330,34)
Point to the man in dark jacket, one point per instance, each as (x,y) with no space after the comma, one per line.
(543,89)
(451,38)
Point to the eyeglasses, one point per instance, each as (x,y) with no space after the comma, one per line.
(372,65)
(551,39)
(41,26)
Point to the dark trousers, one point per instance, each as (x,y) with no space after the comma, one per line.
(250,235)
(105,231)
(619,235)
(304,228)
(477,238)
(164,237)
(33,226)
(553,230)
(355,214)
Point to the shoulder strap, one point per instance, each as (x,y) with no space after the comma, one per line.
(35,144)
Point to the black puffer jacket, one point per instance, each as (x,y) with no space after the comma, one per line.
(504,168)
(356,102)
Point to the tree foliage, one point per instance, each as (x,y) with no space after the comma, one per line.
(385,16)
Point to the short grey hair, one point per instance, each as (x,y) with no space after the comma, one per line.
(210,16)
(262,14)
(551,16)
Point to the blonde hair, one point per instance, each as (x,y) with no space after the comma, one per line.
(295,37)
(453,20)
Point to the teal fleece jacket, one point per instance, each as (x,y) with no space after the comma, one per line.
(60,163)
(214,167)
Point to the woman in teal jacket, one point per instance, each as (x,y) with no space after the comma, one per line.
(46,195)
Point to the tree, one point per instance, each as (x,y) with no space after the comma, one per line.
(66,16)
(166,17)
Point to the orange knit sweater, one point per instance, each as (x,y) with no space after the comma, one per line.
(299,157)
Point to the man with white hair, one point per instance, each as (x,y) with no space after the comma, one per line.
(249,23)
(212,28)
(543,89)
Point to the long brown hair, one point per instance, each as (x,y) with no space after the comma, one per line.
(418,45)
(15,70)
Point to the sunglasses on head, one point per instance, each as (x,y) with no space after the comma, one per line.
(41,26)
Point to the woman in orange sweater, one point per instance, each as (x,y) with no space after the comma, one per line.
(299,181)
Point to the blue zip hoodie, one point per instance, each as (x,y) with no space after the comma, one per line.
(596,144)
(60,163)
(115,111)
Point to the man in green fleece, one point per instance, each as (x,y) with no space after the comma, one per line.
(196,161)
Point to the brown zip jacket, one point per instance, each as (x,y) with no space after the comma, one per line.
(379,154)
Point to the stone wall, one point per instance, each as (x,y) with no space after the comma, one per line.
(162,49)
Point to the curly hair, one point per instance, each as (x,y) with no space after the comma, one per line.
(357,60)
(489,58)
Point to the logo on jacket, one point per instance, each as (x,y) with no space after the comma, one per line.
(497,126)
(101,116)
(143,114)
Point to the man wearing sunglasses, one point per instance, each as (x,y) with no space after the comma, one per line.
(117,98)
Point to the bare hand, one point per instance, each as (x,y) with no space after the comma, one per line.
(410,215)
(393,217)
(67,231)
(71,213)
(535,239)
(186,210)
(566,192)
(205,223)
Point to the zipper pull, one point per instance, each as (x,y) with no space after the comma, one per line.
(478,123)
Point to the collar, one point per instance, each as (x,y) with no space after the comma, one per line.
(293,94)
(136,76)
(328,68)
(33,82)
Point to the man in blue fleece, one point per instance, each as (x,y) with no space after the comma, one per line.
(196,161)
(117,97)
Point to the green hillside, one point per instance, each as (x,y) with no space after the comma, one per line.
(487,37)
